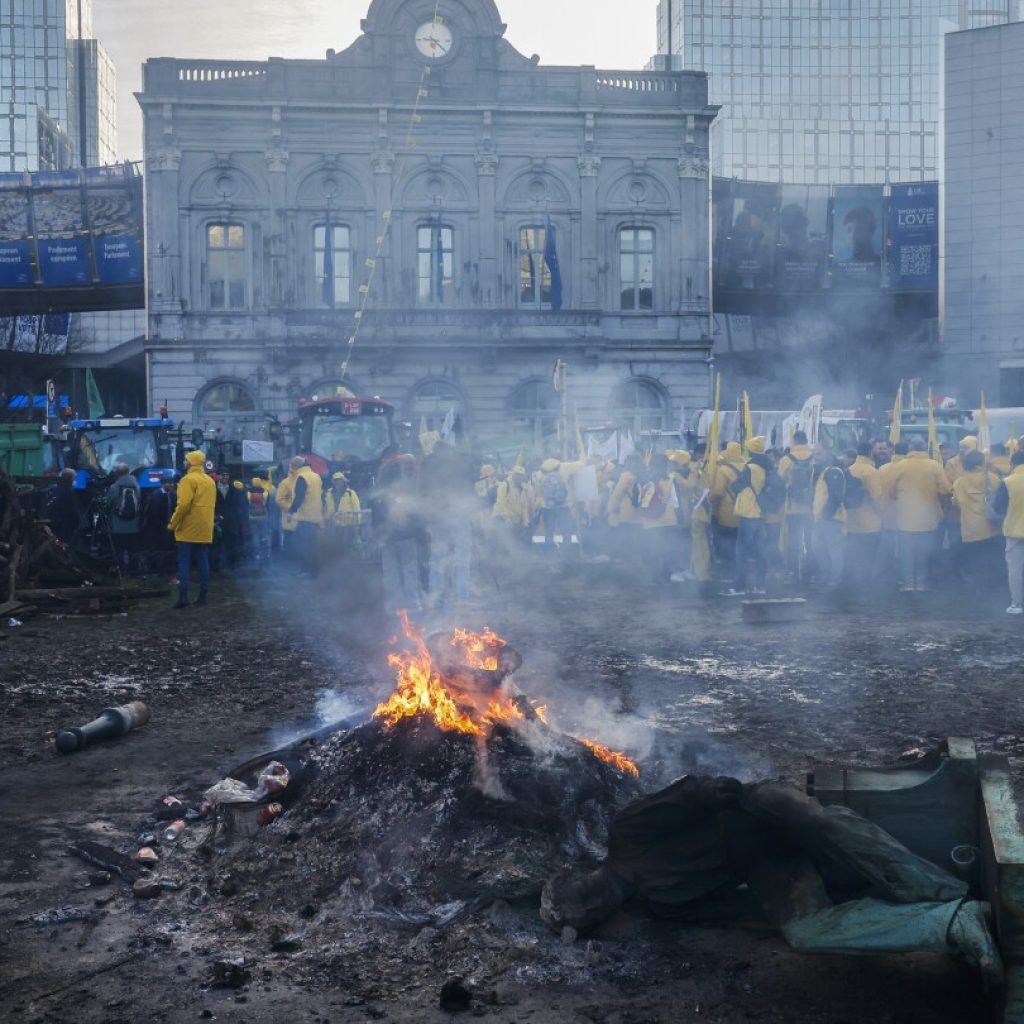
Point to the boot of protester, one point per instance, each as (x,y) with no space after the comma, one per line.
(201,600)
(183,601)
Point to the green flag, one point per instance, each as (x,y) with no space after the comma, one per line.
(96,407)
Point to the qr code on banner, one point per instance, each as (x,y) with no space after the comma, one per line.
(915,260)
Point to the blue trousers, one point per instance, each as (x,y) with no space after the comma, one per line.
(751,540)
(202,552)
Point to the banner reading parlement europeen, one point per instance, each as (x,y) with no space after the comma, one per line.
(71,240)
(913,242)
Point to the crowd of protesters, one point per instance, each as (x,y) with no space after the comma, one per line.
(754,519)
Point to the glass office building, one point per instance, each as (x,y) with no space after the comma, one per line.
(50,70)
(821,92)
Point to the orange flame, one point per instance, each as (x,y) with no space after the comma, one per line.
(420,689)
(478,650)
(615,758)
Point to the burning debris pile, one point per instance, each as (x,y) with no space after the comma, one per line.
(455,793)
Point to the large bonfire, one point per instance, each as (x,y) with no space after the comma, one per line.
(456,789)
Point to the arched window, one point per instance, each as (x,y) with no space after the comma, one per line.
(534,411)
(433,402)
(638,405)
(226,276)
(226,399)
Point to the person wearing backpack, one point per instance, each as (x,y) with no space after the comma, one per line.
(124,501)
(723,501)
(829,517)
(554,496)
(796,469)
(863,513)
(750,536)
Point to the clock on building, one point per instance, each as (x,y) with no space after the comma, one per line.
(434,40)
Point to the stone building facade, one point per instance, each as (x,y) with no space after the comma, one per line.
(436,159)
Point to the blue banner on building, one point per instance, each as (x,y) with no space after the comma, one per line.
(16,265)
(913,242)
(64,261)
(119,259)
(857,226)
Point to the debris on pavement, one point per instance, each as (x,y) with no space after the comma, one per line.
(112,723)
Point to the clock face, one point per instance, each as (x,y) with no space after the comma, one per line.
(434,40)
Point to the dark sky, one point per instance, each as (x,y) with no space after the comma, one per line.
(607,33)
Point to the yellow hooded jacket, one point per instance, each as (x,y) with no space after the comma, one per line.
(344,511)
(969,495)
(867,517)
(1013,524)
(918,485)
(798,453)
(192,522)
(729,468)
(512,503)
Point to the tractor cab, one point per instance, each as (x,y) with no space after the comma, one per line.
(94,447)
(354,435)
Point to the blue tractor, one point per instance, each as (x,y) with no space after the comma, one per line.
(93,448)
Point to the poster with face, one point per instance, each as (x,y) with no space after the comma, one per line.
(801,242)
(857,236)
(749,249)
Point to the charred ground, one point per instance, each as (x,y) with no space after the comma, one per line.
(682,684)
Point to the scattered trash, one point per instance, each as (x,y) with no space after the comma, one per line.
(272,780)
(106,859)
(100,877)
(173,831)
(111,724)
(148,856)
(231,973)
(58,915)
(147,888)
(455,997)
(146,839)
(268,813)
(13,623)
(169,808)
(169,885)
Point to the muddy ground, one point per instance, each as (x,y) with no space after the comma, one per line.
(674,679)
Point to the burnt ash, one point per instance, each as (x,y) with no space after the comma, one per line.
(415,824)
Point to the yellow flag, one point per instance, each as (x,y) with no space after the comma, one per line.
(711,455)
(748,423)
(933,437)
(983,438)
(895,428)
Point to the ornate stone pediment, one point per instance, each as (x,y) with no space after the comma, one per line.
(535,188)
(637,191)
(330,185)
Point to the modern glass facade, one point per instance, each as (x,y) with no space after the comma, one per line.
(40,44)
(839,92)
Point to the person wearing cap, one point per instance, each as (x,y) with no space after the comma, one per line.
(623,499)
(486,486)
(343,515)
(955,466)
(192,526)
(796,468)
(685,482)
(730,466)
(236,523)
(863,521)
(512,504)
(299,497)
(750,530)
(829,516)
(553,499)
(979,552)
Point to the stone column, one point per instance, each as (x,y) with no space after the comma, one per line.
(486,169)
(694,261)
(589,165)
(277,157)
(386,283)
(164,247)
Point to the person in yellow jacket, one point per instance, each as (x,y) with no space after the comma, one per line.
(724,522)
(750,532)
(863,515)
(622,505)
(999,460)
(955,466)
(486,486)
(888,544)
(919,486)
(1009,503)
(829,516)
(192,526)
(657,509)
(796,468)
(973,493)
(512,507)
(300,499)
(685,480)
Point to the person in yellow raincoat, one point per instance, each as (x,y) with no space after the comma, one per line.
(726,526)
(512,506)
(343,515)
(657,510)
(192,526)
